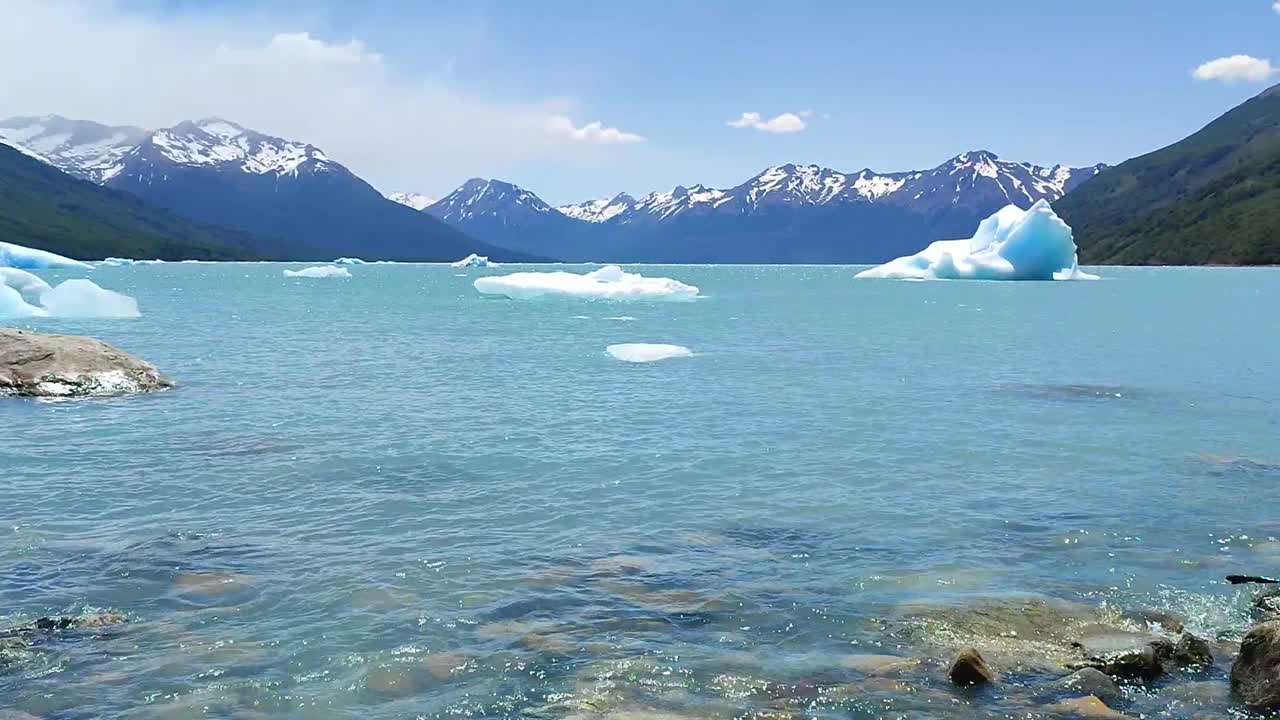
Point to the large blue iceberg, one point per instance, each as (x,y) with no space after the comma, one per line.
(17,256)
(1013,244)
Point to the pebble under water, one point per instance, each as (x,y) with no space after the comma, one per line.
(390,497)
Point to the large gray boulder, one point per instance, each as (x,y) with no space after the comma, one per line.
(38,365)
(1255,677)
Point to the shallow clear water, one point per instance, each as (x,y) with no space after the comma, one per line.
(390,497)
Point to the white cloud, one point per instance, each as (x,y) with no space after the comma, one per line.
(1236,68)
(398,127)
(1276,6)
(301,46)
(787,122)
(592,132)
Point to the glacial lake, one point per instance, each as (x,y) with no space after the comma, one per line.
(390,497)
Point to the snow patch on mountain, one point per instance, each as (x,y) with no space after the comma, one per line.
(81,148)
(417,201)
(224,145)
(479,198)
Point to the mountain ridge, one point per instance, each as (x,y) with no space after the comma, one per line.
(297,201)
(783,202)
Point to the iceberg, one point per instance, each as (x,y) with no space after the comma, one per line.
(319,271)
(23,295)
(474,260)
(350,261)
(84,299)
(608,283)
(647,352)
(17,256)
(1012,244)
(25,283)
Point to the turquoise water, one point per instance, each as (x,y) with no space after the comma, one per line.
(390,497)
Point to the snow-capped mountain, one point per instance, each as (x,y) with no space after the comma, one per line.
(817,213)
(417,201)
(78,147)
(219,145)
(492,208)
(297,201)
(971,177)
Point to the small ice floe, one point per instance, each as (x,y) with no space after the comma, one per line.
(647,352)
(23,295)
(350,261)
(1013,244)
(608,283)
(474,260)
(125,262)
(319,271)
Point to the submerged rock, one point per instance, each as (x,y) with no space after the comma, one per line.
(1267,604)
(39,365)
(1192,651)
(1126,655)
(968,669)
(1255,677)
(16,642)
(1167,621)
(1089,681)
(1087,706)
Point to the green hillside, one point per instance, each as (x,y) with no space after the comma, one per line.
(42,207)
(1212,198)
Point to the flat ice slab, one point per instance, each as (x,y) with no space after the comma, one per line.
(608,283)
(1013,244)
(647,352)
(319,271)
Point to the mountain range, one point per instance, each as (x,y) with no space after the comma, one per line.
(212,189)
(787,213)
(295,201)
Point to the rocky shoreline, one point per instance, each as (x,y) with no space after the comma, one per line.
(67,366)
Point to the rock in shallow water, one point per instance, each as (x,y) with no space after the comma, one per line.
(969,669)
(38,365)
(1255,677)
(1089,681)
(1122,654)
(1088,706)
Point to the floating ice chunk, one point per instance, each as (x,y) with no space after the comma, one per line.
(28,285)
(24,295)
(12,305)
(1013,244)
(17,256)
(319,271)
(474,260)
(84,299)
(647,352)
(349,261)
(607,283)
(118,262)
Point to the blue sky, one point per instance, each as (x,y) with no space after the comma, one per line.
(891,86)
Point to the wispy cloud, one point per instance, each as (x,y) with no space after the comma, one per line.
(1276,6)
(301,46)
(1235,69)
(592,132)
(787,122)
(397,126)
